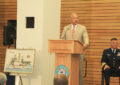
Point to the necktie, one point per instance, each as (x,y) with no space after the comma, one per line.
(73,31)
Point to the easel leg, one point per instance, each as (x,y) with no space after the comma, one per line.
(17,80)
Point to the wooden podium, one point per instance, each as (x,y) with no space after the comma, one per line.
(67,53)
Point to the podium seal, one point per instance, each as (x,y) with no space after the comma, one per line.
(62,69)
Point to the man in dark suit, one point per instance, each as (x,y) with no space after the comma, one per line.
(111,60)
(10,79)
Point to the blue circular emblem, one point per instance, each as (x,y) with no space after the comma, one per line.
(62,69)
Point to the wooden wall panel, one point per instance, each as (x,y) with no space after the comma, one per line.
(102,19)
(8,11)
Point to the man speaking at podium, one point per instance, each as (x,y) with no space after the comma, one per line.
(75,31)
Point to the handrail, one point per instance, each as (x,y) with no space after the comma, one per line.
(85,75)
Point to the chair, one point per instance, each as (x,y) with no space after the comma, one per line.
(111,75)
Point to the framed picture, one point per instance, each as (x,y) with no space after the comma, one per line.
(20,61)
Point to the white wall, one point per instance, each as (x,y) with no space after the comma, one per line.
(47,26)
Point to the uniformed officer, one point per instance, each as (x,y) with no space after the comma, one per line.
(111,60)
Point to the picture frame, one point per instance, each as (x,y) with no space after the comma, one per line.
(20,61)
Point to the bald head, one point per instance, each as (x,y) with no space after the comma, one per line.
(60,79)
(73,15)
(74,18)
(3,78)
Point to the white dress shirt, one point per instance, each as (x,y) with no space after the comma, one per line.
(75,26)
(113,50)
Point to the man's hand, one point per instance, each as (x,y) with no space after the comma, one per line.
(119,67)
(85,46)
(106,66)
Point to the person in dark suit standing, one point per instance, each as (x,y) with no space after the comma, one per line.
(10,79)
(111,60)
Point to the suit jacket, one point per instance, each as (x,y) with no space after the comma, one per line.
(80,34)
(10,79)
(110,58)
